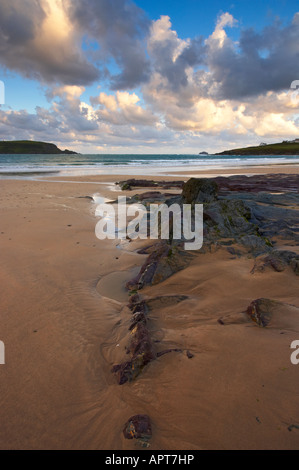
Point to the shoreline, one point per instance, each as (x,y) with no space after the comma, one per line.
(174,174)
(65,324)
(147,171)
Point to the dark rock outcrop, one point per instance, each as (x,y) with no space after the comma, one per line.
(231,218)
(31,147)
(255,244)
(142,352)
(281,148)
(270,261)
(127,185)
(234,213)
(274,314)
(199,190)
(261,310)
(141,347)
(138,427)
(278,260)
(163,261)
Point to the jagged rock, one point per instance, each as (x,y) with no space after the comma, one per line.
(139,306)
(199,190)
(255,244)
(261,310)
(274,314)
(232,219)
(142,183)
(163,261)
(270,183)
(138,317)
(142,351)
(151,197)
(272,261)
(141,346)
(138,427)
(229,218)
(277,260)
(141,343)
(287,255)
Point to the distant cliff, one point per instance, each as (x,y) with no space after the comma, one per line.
(30,147)
(283,148)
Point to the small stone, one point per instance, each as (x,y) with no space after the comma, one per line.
(260,311)
(138,427)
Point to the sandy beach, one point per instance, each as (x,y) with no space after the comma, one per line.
(64,321)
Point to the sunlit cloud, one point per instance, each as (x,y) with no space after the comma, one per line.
(154,87)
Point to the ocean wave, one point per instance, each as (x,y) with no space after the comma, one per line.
(97,164)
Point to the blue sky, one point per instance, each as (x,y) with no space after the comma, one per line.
(198,17)
(146,76)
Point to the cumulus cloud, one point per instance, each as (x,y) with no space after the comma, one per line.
(122,109)
(227,94)
(38,40)
(164,90)
(113,120)
(72,42)
(273,115)
(259,62)
(44,39)
(172,56)
(119,27)
(220,68)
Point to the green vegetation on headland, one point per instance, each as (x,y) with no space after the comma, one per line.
(30,147)
(283,148)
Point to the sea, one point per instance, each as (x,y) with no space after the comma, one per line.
(33,166)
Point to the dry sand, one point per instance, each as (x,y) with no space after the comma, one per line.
(64,324)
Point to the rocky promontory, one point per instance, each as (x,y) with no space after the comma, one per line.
(282,148)
(31,147)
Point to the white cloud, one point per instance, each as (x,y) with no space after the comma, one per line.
(193,90)
(219,35)
(122,109)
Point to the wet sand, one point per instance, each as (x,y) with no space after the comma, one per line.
(64,322)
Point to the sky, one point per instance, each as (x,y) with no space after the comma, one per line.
(167,76)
